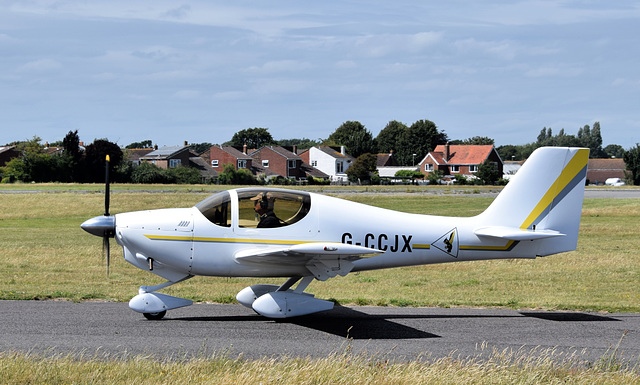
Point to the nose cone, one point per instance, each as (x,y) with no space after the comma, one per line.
(100,226)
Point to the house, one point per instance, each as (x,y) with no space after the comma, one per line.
(599,170)
(169,156)
(206,171)
(333,161)
(174,156)
(386,160)
(284,162)
(237,156)
(511,168)
(7,153)
(133,155)
(459,159)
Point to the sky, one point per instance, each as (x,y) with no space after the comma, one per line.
(199,71)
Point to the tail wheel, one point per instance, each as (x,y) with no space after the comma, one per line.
(155,316)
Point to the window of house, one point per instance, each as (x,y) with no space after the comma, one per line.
(265,163)
(473,168)
(339,167)
(455,168)
(314,163)
(214,163)
(173,163)
(428,167)
(291,163)
(242,163)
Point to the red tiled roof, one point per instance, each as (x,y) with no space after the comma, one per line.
(463,154)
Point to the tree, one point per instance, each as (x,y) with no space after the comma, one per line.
(420,138)
(95,155)
(614,151)
(253,137)
(71,162)
(389,138)
(33,165)
(362,168)
(301,144)
(144,144)
(230,175)
(355,137)
(632,160)
(479,140)
(434,176)
(199,148)
(488,172)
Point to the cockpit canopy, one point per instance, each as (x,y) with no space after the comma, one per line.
(283,207)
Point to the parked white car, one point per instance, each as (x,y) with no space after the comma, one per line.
(614,182)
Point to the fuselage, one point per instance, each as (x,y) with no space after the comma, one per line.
(188,241)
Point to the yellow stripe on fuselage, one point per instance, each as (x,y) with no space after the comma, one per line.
(224,240)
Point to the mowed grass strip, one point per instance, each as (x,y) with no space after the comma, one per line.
(45,255)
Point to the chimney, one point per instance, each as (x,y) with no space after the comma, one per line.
(155,147)
(342,151)
(244,149)
(295,149)
(390,153)
(446,152)
(186,143)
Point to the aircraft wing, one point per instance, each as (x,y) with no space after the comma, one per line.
(515,234)
(324,260)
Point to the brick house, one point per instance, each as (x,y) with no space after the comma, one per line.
(237,156)
(599,170)
(459,159)
(279,160)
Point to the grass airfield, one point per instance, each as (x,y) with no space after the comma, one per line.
(45,255)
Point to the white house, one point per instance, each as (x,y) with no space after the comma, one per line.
(333,161)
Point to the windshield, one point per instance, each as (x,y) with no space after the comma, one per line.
(217,209)
(265,208)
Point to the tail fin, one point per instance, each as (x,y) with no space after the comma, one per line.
(542,201)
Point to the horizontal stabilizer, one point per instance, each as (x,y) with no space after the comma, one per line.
(515,234)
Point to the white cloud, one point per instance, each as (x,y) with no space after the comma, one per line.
(40,65)
(380,45)
(187,94)
(549,71)
(346,64)
(281,66)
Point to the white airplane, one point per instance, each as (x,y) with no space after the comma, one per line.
(266,232)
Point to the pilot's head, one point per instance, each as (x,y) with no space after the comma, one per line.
(263,202)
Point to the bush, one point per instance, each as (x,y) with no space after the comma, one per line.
(148,173)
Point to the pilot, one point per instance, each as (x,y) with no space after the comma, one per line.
(264,204)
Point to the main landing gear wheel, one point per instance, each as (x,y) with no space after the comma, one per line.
(154,316)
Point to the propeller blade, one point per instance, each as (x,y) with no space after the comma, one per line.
(106,251)
(106,187)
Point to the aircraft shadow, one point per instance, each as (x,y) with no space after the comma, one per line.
(350,323)
(561,316)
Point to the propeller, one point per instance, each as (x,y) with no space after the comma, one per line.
(105,225)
